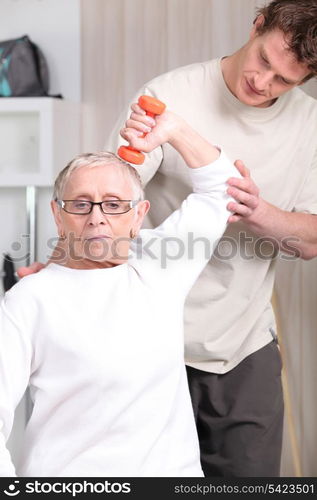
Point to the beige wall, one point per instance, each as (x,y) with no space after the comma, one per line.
(127,42)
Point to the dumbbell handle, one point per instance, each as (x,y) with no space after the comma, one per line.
(153,107)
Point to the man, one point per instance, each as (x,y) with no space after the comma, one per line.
(250,104)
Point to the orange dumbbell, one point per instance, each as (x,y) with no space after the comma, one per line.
(152,107)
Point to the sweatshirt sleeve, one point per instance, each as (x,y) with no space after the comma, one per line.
(15,362)
(185,241)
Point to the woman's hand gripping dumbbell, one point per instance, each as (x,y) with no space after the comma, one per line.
(146,133)
(147,107)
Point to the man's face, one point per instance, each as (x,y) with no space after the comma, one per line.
(266,70)
(97,236)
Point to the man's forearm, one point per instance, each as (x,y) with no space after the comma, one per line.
(294,233)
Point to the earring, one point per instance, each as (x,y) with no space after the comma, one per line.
(132,234)
(62,236)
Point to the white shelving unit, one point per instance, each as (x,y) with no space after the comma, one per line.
(38,136)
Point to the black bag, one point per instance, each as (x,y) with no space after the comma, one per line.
(23,69)
(8,272)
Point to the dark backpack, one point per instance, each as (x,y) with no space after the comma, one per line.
(8,272)
(23,69)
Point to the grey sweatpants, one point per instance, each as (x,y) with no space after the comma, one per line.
(239,416)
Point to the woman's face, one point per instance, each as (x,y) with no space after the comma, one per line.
(97,238)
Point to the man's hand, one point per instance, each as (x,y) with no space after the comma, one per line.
(33,268)
(294,233)
(248,204)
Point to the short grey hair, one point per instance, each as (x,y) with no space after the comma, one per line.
(94,160)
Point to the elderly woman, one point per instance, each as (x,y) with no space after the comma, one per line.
(98,334)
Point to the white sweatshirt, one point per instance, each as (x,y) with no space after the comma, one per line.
(103,352)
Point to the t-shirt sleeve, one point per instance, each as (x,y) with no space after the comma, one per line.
(183,244)
(152,160)
(307,198)
(15,362)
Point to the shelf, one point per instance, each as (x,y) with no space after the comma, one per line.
(38,136)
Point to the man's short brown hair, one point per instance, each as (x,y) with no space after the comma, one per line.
(297,19)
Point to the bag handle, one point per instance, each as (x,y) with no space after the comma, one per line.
(10,46)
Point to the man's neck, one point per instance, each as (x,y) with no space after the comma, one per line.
(227,67)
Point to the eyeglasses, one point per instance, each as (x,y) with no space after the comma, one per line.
(109,207)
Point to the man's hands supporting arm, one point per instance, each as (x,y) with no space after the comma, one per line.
(293,233)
